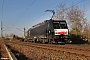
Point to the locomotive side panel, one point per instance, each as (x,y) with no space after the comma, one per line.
(38,31)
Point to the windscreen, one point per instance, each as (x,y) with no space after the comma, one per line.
(60,25)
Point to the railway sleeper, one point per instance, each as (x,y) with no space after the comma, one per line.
(43,53)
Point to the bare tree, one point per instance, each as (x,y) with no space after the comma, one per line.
(86,31)
(76,17)
(60,12)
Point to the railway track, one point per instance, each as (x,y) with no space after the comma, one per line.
(5,53)
(35,51)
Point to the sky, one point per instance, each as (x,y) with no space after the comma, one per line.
(19,14)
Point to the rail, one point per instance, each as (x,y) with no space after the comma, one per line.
(47,52)
(10,54)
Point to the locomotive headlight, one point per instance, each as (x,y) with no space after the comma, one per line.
(55,32)
(66,32)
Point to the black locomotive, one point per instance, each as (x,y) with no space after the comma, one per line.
(49,31)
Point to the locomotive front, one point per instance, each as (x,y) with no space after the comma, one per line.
(61,31)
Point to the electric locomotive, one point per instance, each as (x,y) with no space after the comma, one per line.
(49,31)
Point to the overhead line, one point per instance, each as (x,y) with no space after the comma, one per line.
(36,18)
(24,13)
(42,14)
(68,8)
(76,4)
(61,3)
(45,13)
(56,6)
(19,29)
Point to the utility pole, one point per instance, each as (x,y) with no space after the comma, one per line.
(1,30)
(1,21)
(24,34)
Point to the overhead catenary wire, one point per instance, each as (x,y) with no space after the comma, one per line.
(19,29)
(75,4)
(24,13)
(37,17)
(55,7)
(66,9)
(42,15)
(61,3)
(20,16)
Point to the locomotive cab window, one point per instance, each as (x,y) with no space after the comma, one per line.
(56,25)
(60,25)
(63,25)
